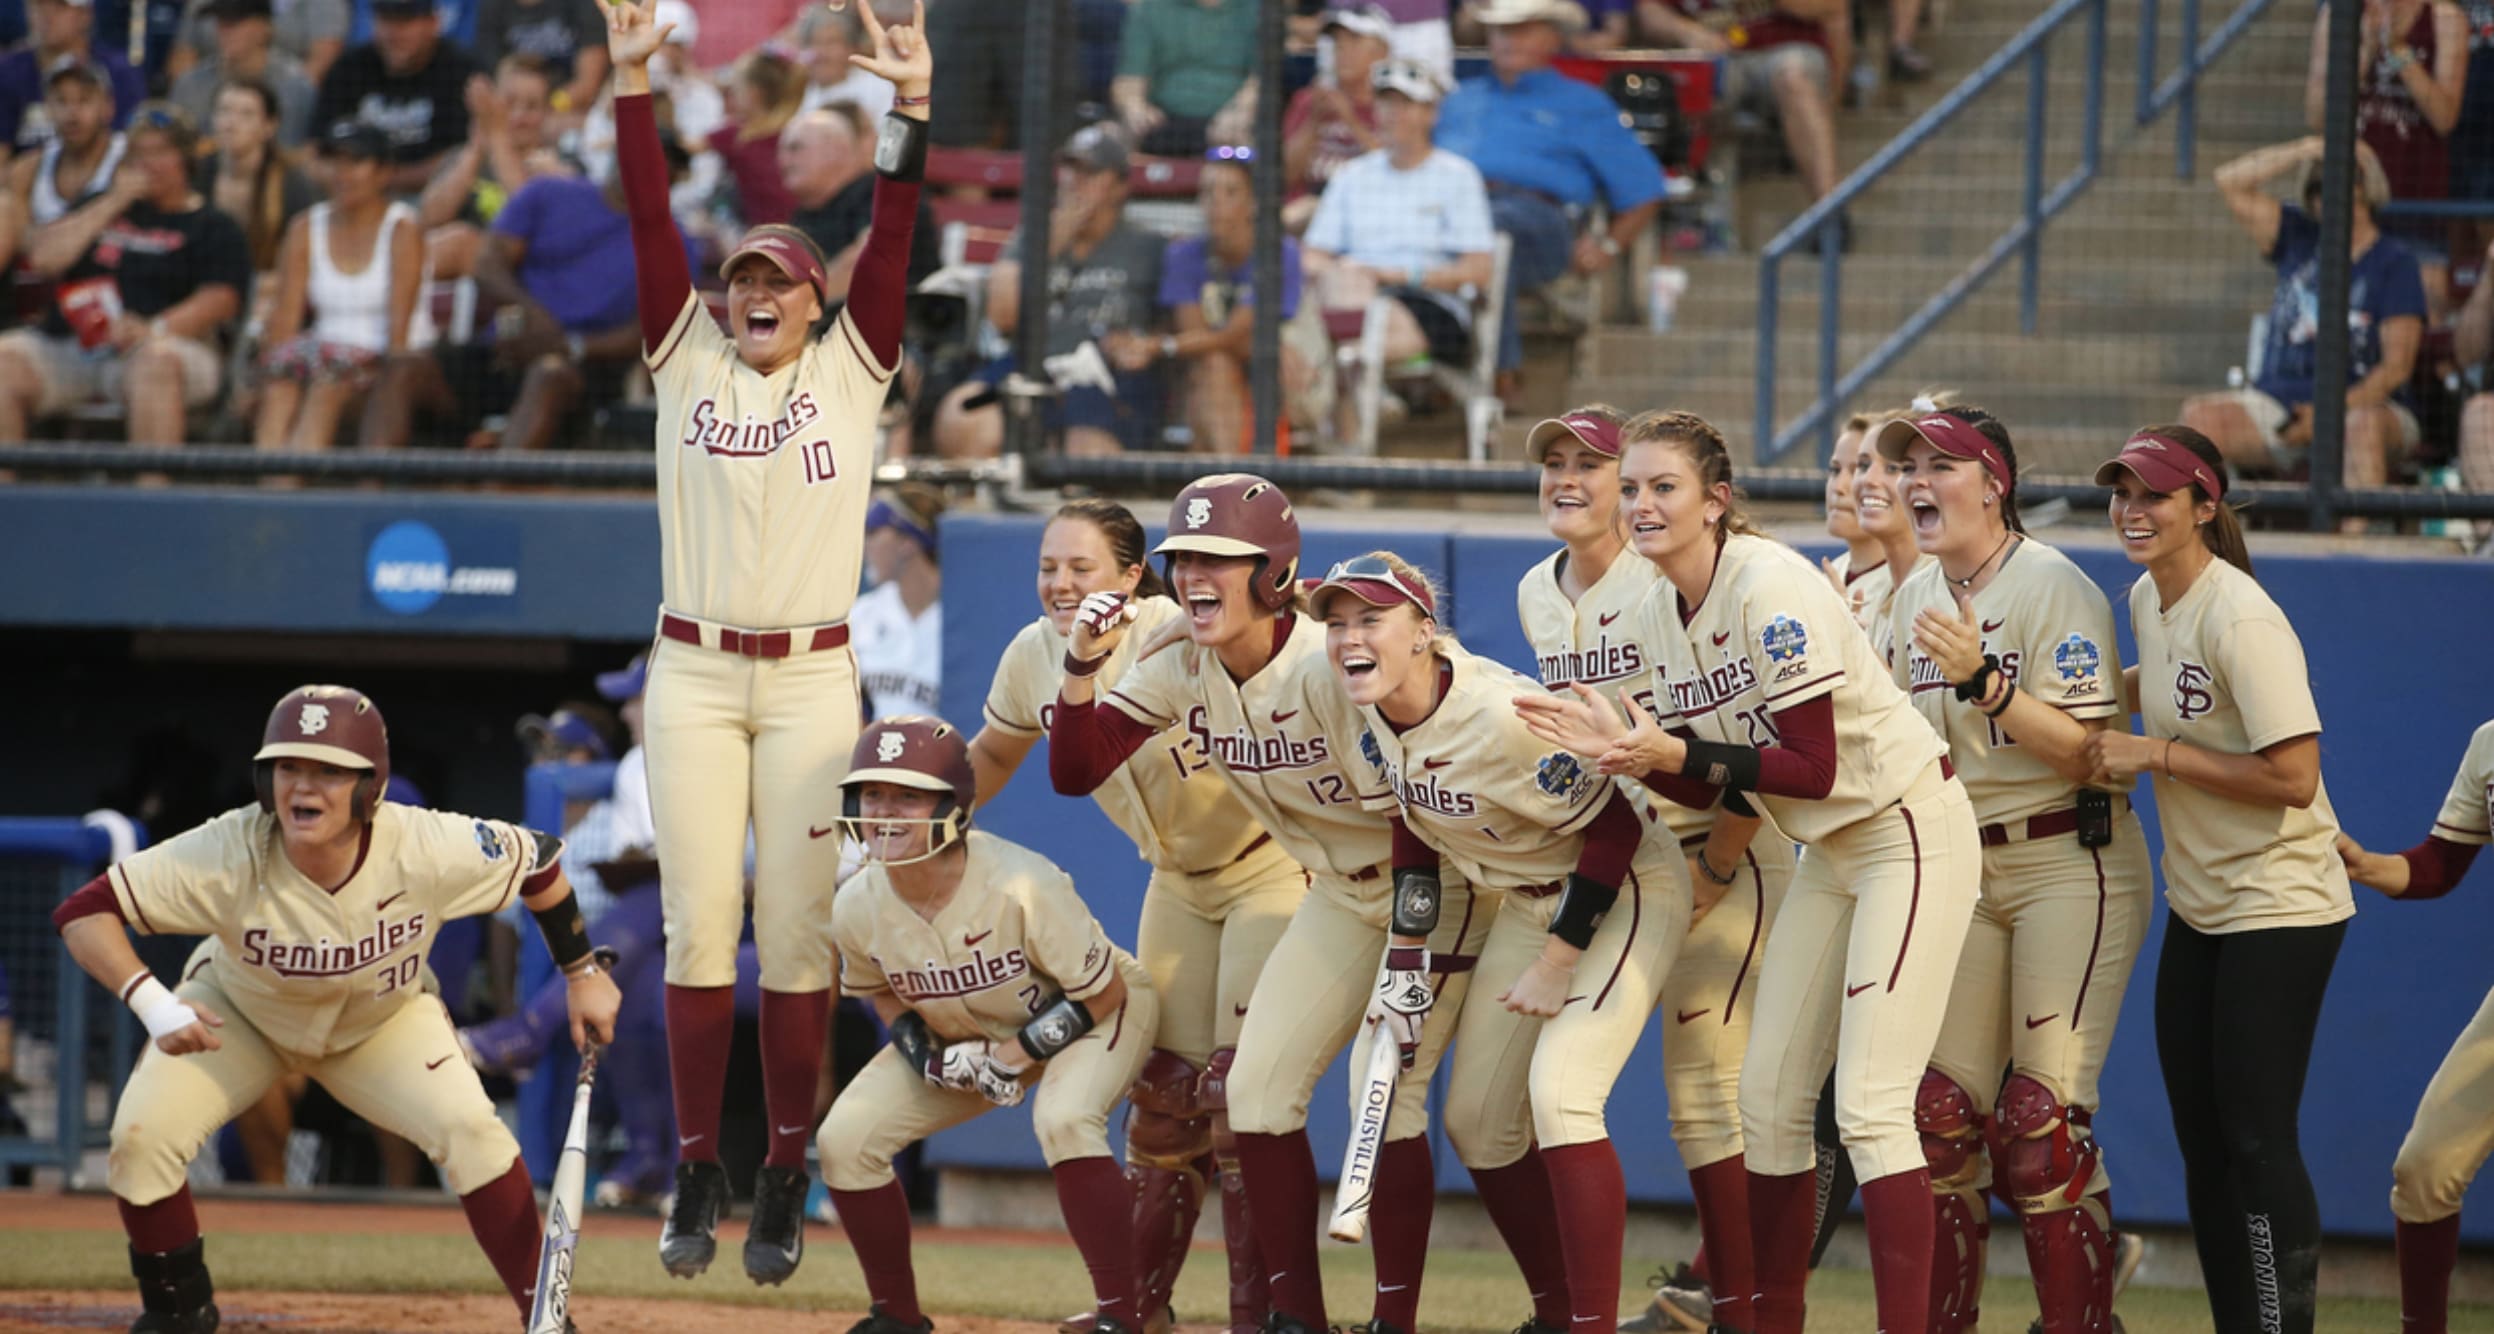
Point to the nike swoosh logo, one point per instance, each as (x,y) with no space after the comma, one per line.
(1990,626)
(1241,1011)
(790,1130)
(1722,637)
(1435,764)
(1685,1016)
(1392,1287)
(435,1064)
(1281,718)
(390,900)
(1856,991)
(1606,619)
(2034,1023)
(812,832)
(972,942)
(688,1141)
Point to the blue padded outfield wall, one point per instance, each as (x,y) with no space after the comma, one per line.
(2399,653)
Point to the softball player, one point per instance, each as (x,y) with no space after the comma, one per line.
(320,903)
(992,976)
(2007,648)
(1579,613)
(2259,898)
(765,444)
(1879,511)
(1221,891)
(1863,555)
(1255,690)
(1768,687)
(2452,1135)
(1592,915)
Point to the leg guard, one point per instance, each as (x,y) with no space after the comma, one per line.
(2047,1162)
(1952,1143)
(1250,1295)
(175,1293)
(1168,1142)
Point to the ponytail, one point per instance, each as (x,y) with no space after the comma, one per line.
(1125,539)
(1695,437)
(1996,431)
(2224,533)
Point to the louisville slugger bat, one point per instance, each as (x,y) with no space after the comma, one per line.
(1368,1137)
(550,1312)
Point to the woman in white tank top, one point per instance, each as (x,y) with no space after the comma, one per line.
(349,284)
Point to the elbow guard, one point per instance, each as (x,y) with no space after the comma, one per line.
(1058,1026)
(1722,765)
(917,1044)
(1415,901)
(901,149)
(1582,906)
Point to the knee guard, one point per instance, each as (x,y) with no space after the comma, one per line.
(1167,1126)
(1212,1088)
(2048,1160)
(1952,1143)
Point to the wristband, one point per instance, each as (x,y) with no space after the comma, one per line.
(916,1043)
(1582,905)
(1707,869)
(1976,686)
(2008,692)
(1415,901)
(160,1010)
(1407,958)
(904,100)
(1720,764)
(1055,1028)
(901,149)
(566,932)
(1085,666)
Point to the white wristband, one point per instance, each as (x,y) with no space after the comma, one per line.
(159,1009)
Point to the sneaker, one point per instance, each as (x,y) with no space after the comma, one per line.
(876,1322)
(775,1234)
(1907,65)
(1685,1299)
(690,1238)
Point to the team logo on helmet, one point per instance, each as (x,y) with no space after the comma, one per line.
(889,746)
(315,720)
(1198,512)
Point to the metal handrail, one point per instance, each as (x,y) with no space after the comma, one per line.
(2038,207)
(2180,89)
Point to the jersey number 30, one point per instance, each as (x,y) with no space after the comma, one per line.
(401,973)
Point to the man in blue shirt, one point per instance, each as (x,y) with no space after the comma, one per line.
(2268,425)
(64,33)
(1549,148)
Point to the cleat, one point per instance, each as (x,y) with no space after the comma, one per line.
(175,1291)
(690,1238)
(1682,1301)
(1278,1323)
(1377,1327)
(1536,1327)
(876,1322)
(775,1233)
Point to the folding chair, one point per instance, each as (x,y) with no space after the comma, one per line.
(1361,350)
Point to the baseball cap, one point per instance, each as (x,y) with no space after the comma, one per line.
(1367,20)
(563,730)
(1568,15)
(402,9)
(71,67)
(1408,77)
(357,140)
(780,246)
(1375,581)
(2164,464)
(1598,435)
(687,28)
(1947,434)
(225,11)
(626,682)
(1097,147)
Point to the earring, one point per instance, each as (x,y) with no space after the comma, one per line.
(1420,648)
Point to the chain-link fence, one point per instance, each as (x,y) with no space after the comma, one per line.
(64,1047)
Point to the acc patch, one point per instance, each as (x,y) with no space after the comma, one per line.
(1369,751)
(489,842)
(1562,775)
(2076,659)
(1784,639)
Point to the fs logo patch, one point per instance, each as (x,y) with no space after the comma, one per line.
(2192,697)
(2076,659)
(1784,640)
(889,746)
(1198,512)
(488,842)
(1562,775)
(315,720)
(1368,750)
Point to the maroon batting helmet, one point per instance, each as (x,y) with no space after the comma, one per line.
(334,725)
(913,751)
(1240,514)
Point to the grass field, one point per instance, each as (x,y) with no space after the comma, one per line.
(1014,1277)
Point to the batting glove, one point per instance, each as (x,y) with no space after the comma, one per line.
(998,1085)
(1097,621)
(958,1068)
(1404,999)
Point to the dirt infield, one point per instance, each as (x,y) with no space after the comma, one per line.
(325,1313)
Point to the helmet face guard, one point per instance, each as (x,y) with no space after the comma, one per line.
(918,752)
(949,825)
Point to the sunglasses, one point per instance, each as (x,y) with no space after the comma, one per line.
(1377,569)
(1230,153)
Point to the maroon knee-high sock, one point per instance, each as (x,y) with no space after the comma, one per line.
(701,1025)
(1398,1227)
(1782,1222)
(1279,1172)
(171,1223)
(1722,1193)
(877,1224)
(794,1026)
(1592,1198)
(2427,1254)
(1517,1198)
(1896,1210)
(503,1215)
(1099,1211)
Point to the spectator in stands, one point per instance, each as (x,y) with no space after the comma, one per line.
(2472,144)
(409,81)
(1186,74)
(762,97)
(1334,119)
(567,36)
(1104,273)
(897,626)
(150,277)
(1609,26)
(347,295)
(577,732)
(1549,148)
(81,157)
(2412,74)
(246,49)
(2267,426)
(1207,292)
(978,83)
(1424,32)
(829,37)
(1775,65)
(510,144)
(63,35)
(557,262)
(826,161)
(2472,345)
(248,177)
(312,32)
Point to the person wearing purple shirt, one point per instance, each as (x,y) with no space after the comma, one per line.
(63,30)
(1207,286)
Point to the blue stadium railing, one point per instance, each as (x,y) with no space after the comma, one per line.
(42,861)
(1819,227)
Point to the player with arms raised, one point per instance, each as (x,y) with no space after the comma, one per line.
(766,436)
(320,903)
(992,976)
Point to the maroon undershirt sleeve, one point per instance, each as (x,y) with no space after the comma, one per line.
(657,247)
(1610,842)
(879,287)
(1086,743)
(96,896)
(2435,866)
(1682,791)
(1411,852)
(1804,764)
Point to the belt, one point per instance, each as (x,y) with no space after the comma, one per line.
(1365,874)
(2050,824)
(1502,188)
(1540,891)
(1243,854)
(751,643)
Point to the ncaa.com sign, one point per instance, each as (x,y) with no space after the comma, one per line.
(459,570)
